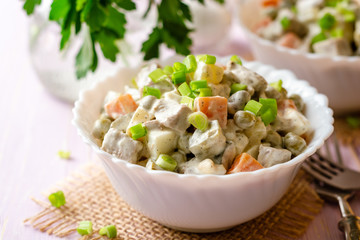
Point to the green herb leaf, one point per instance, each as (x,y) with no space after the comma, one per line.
(80,4)
(151,46)
(126,4)
(30,5)
(107,44)
(115,21)
(94,15)
(85,58)
(59,9)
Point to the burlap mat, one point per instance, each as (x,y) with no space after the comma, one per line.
(90,196)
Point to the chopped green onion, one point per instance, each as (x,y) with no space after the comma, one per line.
(318,38)
(166,162)
(277,85)
(179,77)
(199,120)
(190,63)
(151,91)
(208,59)
(337,33)
(195,85)
(327,21)
(184,89)
(194,94)
(84,228)
(285,23)
(178,66)
(353,122)
(268,111)
(294,9)
(57,199)
(236,59)
(64,154)
(253,106)
(137,131)
(331,3)
(188,101)
(235,87)
(109,231)
(349,15)
(205,92)
(158,75)
(168,70)
(134,83)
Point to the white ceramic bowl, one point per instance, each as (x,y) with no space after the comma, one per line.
(202,203)
(336,77)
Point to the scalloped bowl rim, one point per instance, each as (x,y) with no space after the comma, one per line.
(294,161)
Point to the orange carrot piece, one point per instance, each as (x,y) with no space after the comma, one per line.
(290,40)
(263,23)
(244,162)
(269,3)
(120,106)
(284,104)
(215,108)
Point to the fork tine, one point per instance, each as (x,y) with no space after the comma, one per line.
(337,150)
(319,176)
(319,167)
(329,164)
(328,153)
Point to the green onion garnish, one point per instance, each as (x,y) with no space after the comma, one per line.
(57,199)
(109,231)
(235,87)
(64,154)
(137,131)
(294,9)
(158,75)
(166,162)
(285,23)
(353,122)
(151,91)
(184,89)
(190,63)
(134,83)
(178,66)
(277,85)
(208,59)
(253,106)
(178,77)
(337,33)
(168,70)
(268,111)
(84,228)
(236,59)
(195,85)
(318,38)
(199,120)
(188,101)
(327,21)
(205,92)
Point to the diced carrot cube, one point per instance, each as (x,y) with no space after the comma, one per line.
(120,106)
(215,108)
(290,40)
(244,162)
(284,104)
(269,3)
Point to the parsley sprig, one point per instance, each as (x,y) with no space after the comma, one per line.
(105,23)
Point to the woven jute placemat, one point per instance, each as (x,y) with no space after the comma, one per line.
(90,196)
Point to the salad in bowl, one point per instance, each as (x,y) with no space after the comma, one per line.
(327,27)
(228,157)
(199,117)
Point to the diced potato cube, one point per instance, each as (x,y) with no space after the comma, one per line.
(209,72)
(140,116)
(161,141)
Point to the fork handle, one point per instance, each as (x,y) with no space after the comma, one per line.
(350,225)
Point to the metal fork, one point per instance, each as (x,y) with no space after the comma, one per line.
(340,181)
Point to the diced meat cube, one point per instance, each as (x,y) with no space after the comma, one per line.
(237,101)
(221,90)
(333,47)
(121,145)
(269,156)
(172,114)
(122,122)
(209,143)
